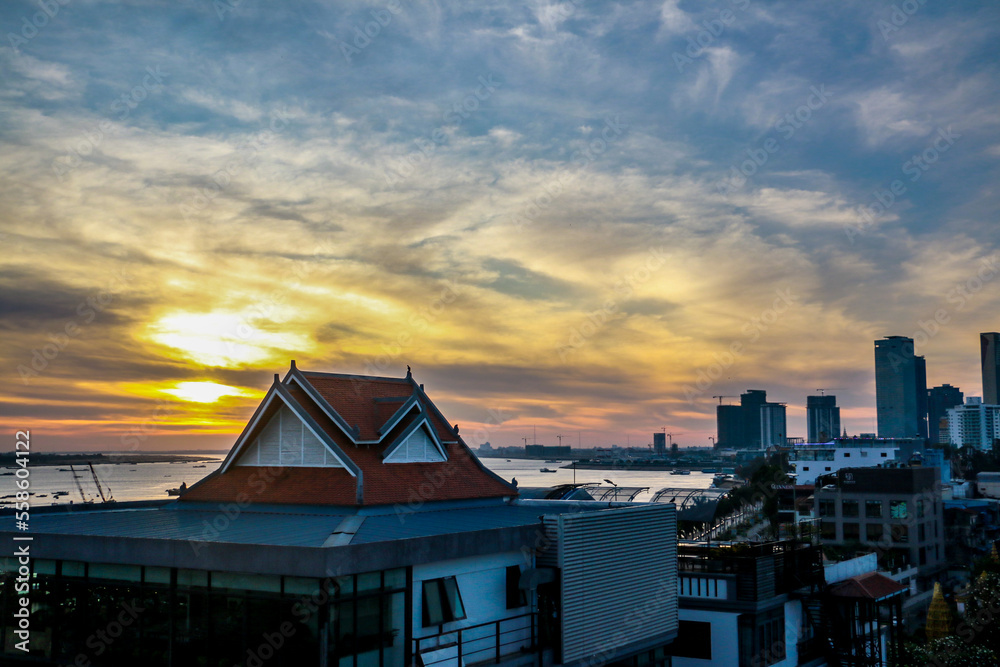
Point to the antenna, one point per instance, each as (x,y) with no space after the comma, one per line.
(722,396)
(822,390)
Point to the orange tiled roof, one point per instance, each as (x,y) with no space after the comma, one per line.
(873,586)
(366,404)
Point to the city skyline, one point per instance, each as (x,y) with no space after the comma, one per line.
(585,220)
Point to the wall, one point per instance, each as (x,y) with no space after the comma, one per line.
(725,651)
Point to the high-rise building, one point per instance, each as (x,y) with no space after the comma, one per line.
(974,424)
(729,424)
(660,444)
(939,399)
(822,418)
(900,389)
(750,403)
(773,425)
(989,351)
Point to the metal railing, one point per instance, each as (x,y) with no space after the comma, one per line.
(486,643)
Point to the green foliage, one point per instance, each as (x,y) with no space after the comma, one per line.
(950,651)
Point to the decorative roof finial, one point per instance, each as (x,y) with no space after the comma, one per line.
(293,363)
(409,373)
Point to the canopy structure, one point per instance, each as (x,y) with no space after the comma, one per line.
(615,493)
(687,498)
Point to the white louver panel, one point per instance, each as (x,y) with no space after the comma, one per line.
(418,448)
(287,441)
(619,578)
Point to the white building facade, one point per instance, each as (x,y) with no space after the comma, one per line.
(975,424)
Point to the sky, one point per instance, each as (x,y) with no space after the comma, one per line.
(569,218)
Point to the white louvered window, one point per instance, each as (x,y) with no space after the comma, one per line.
(418,448)
(287,441)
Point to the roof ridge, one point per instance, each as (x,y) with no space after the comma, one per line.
(351,376)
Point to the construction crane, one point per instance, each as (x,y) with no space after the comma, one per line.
(670,436)
(79,487)
(720,397)
(822,391)
(110,498)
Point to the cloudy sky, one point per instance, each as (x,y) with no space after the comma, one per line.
(587,218)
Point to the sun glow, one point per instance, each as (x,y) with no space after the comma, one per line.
(226,339)
(203,392)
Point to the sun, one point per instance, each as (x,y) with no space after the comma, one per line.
(203,392)
(224,339)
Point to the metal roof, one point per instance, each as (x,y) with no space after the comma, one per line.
(293,526)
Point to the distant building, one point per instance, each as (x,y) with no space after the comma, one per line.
(660,444)
(809,461)
(729,425)
(974,424)
(989,350)
(822,418)
(939,400)
(773,425)
(750,403)
(898,511)
(900,389)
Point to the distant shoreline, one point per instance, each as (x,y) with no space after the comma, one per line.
(44,459)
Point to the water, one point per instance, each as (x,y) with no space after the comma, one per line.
(150,481)
(527,473)
(126,481)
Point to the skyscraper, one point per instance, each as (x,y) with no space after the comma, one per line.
(989,352)
(750,403)
(822,418)
(939,400)
(660,444)
(900,389)
(729,422)
(773,425)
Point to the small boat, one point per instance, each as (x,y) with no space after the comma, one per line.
(709,471)
(546,470)
(198,466)
(508,460)
(553,461)
(680,472)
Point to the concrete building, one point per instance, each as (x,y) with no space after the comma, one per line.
(729,426)
(750,402)
(349,526)
(939,400)
(974,424)
(809,461)
(898,512)
(989,351)
(660,444)
(548,451)
(822,418)
(773,425)
(745,605)
(900,389)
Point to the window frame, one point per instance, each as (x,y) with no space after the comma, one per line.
(441,602)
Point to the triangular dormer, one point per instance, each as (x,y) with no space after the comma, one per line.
(283,434)
(417,444)
(286,440)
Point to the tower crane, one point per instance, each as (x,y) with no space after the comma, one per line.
(722,396)
(822,390)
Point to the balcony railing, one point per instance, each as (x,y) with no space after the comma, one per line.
(486,643)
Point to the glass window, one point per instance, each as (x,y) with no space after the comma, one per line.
(884,455)
(897,509)
(849,508)
(874,532)
(900,532)
(921,533)
(873,509)
(156,575)
(828,530)
(694,640)
(515,594)
(920,508)
(847,455)
(192,578)
(852,531)
(442,602)
(827,508)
